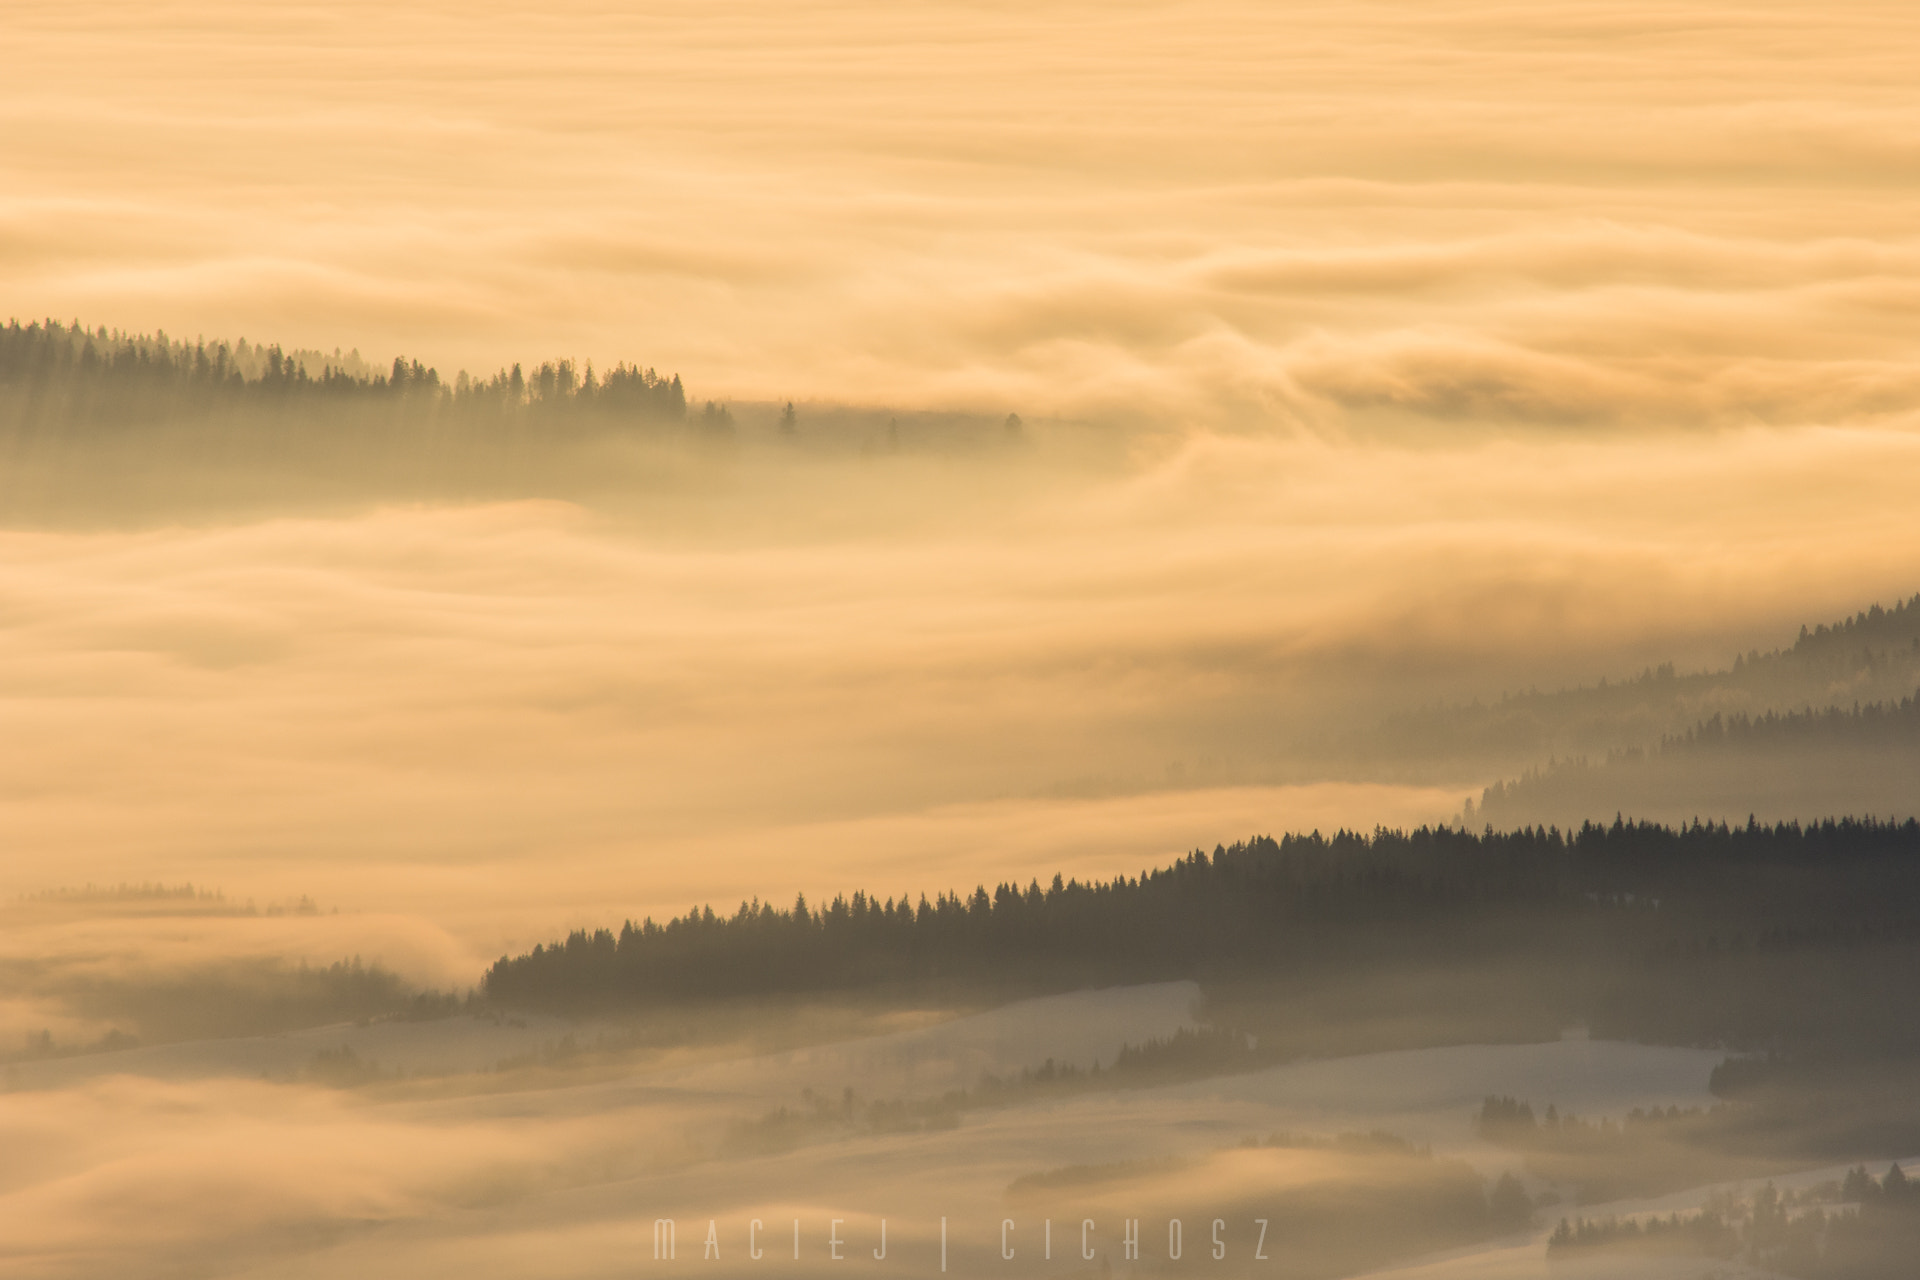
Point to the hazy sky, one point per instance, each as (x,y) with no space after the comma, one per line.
(1563,215)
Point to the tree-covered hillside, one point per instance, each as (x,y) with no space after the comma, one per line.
(65,379)
(108,425)
(1737,935)
(1861,759)
(1871,657)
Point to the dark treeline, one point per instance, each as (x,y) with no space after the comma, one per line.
(1162,924)
(55,376)
(1674,933)
(1871,629)
(96,424)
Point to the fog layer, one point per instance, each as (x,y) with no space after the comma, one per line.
(1332,215)
(953,677)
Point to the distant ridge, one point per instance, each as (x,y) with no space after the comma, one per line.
(54,374)
(1829,724)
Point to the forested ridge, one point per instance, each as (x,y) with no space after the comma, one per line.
(65,379)
(1890,730)
(1871,657)
(1860,758)
(1876,723)
(1304,905)
(99,425)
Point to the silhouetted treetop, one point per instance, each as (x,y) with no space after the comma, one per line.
(1251,907)
(55,375)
